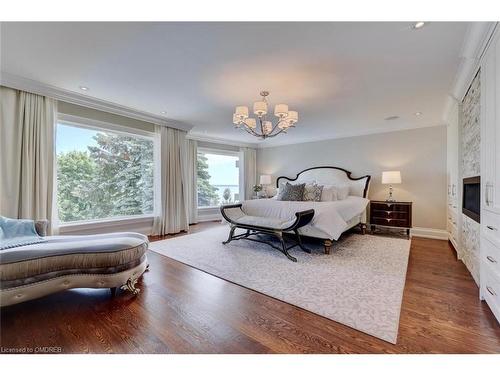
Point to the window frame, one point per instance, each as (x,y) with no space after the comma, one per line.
(217,151)
(91,124)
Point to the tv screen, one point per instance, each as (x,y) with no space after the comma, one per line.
(472,198)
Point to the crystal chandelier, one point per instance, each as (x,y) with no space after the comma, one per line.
(261,127)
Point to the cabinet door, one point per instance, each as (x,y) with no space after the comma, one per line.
(490,128)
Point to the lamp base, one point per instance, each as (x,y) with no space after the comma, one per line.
(390,198)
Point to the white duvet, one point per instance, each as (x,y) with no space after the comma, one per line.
(329,217)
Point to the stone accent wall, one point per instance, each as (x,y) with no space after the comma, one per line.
(471,166)
(471,131)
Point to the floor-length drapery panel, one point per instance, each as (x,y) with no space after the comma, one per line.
(249,170)
(191,180)
(173,214)
(27,143)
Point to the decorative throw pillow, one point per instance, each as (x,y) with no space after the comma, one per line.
(291,192)
(312,192)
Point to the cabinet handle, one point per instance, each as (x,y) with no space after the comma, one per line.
(491,259)
(491,291)
(453,189)
(488,186)
(448,189)
(491,228)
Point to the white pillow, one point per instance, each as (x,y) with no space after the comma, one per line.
(342,192)
(334,193)
(328,194)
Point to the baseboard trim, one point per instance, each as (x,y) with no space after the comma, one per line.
(436,234)
(211,217)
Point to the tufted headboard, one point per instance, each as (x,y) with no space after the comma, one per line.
(331,176)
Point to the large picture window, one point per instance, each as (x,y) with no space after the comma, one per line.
(102,173)
(218,178)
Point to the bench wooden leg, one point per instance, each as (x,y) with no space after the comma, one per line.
(328,246)
(299,241)
(231,232)
(283,246)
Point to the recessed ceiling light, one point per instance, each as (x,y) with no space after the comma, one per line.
(390,118)
(84,88)
(418,113)
(418,25)
(163,112)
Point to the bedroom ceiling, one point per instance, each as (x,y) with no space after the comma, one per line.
(343,78)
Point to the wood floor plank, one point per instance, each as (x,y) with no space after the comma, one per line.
(185,310)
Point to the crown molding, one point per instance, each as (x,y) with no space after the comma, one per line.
(477,39)
(35,87)
(203,138)
(375,131)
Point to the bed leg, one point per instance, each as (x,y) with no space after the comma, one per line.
(328,246)
(362,226)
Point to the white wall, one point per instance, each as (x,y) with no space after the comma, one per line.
(420,155)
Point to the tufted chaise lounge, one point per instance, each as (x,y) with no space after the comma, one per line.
(65,262)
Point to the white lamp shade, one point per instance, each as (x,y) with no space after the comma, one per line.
(292,117)
(391,177)
(281,110)
(267,126)
(251,123)
(260,108)
(265,179)
(242,111)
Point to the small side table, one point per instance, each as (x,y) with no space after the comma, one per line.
(395,215)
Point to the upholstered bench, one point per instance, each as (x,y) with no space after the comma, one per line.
(256,225)
(65,262)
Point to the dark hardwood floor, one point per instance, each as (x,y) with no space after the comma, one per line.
(184,310)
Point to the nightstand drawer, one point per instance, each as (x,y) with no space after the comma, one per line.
(403,223)
(389,214)
(390,206)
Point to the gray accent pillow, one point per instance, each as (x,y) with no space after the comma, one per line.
(292,192)
(312,192)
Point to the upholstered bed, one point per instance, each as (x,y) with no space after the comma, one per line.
(331,218)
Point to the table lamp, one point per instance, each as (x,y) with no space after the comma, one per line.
(391,177)
(265,180)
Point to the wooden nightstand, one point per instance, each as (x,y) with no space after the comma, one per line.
(391,215)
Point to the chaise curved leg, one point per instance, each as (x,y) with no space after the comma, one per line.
(130,286)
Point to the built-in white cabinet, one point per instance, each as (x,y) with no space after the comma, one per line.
(490,176)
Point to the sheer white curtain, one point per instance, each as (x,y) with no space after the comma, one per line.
(172,213)
(249,156)
(191,180)
(27,162)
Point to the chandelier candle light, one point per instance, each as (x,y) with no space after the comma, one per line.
(262,127)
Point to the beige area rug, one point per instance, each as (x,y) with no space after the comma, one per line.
(360,284)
